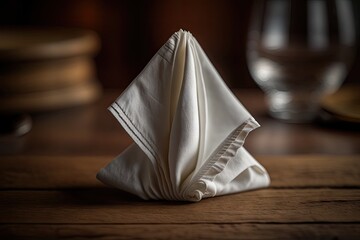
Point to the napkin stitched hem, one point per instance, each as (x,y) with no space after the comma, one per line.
(203,182)
(233,142)
(132,130)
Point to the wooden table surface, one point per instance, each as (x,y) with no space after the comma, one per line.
(48,187)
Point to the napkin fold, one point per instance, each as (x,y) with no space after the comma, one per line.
(188,128)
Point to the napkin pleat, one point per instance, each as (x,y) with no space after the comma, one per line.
(185,131)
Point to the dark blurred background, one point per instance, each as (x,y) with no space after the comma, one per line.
(132,31)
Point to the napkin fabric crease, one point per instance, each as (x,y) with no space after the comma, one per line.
(188,128)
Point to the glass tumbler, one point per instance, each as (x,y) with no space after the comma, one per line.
(298,51)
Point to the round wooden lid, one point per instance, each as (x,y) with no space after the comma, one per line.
(46,75)
(33,44)
(50,100)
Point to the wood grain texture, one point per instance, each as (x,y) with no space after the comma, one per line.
(182,231)
(52,172)
(48,187)
(105,205)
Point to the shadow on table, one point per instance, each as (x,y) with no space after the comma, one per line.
(107,196)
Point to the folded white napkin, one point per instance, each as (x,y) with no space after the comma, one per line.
(188,129)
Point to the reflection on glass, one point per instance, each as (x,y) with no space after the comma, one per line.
(298,51)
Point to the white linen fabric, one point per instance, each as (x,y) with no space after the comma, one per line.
(188,129)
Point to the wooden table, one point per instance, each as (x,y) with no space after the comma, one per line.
(48,187)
